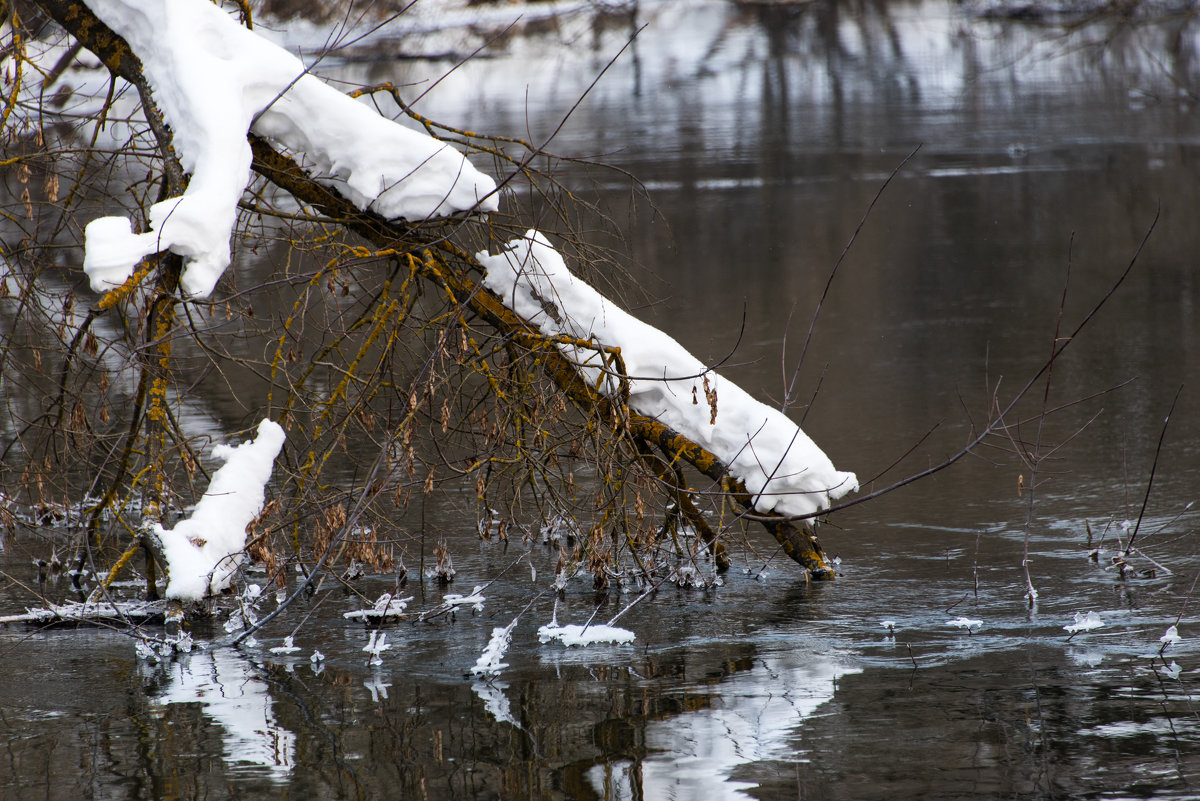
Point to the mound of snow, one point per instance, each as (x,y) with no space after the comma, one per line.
(204,550)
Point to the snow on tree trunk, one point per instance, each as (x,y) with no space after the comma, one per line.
(215,80)
(782,468)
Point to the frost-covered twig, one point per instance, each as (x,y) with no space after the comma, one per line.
(1083,623)
(573,634)
(971,625)
(489,662)
(386,607)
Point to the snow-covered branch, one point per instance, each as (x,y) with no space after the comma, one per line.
(215,80)
(781,467)
(203,551)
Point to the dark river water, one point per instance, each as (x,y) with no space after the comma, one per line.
(760,136)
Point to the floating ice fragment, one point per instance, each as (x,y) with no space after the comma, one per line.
(573,634)
(965,623)
(146,651)
(1084,623)
(385,607)
(288,647)
(1171,637)
(152,650)
(474,600)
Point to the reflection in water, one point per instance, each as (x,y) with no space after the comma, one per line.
(495,702)
(755,718)
(226,685)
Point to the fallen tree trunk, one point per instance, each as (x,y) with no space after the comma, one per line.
(447,267)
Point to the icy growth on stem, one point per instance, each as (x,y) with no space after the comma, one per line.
(489,662)
(376,644)
(289,646)
(1171,637)
(573,634)
(785,471)
(203,551)
(1084,623)
(214,80)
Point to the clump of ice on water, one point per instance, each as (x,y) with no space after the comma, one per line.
(967,623)
(289,646)
(376,644)
(573,634)
(474,600)
(214,80)
(204,550)
(384,608)
(1084,623)
(781,467)
(154,649)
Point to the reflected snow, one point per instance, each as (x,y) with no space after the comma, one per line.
(226,686)
(755,718)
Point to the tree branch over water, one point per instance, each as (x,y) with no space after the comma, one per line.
(419,358)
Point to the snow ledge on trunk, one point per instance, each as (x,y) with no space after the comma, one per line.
(214,80)
(783,469)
